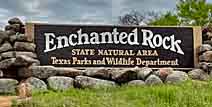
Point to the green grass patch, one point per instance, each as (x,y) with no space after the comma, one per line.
(188,94)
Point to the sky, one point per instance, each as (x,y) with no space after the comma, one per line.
(78,11)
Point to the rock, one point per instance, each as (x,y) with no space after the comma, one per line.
(8,86)
(206,56)
(0,58)
(3,36)
(207,42)
(35,64)
(10,32)
(69,72)
(209,34)
(23,60)
(9,54)
(205,47)
(15,27)
(60,83)
(144,72)
(103,73)
(198,74)
(8,27)
(29,54)
(10,73)
(5,64)
(13,38)
(24,72)
(136,83)
(209,66)
(176,77)
(1,73)
(153,80)
(5,47)
(164,72)
(15,21)
(125,75)
(204,37)
(43,72)
(89,82)
(204,66)
(24,46)
(36,84)
(19,37)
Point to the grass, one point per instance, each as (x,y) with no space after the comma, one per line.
(188,94)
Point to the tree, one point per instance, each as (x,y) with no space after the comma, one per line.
(194,12)
(132,18)
(188,12)
(136,18)
(167,19)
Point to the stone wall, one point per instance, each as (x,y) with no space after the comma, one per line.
(21,73)
(205,55)
(17,55)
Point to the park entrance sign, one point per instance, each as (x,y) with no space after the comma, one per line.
(115,46)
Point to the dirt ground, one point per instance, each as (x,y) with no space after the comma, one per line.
(6,101)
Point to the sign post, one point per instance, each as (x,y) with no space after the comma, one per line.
(115,46)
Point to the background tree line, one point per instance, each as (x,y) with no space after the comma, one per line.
(187,13)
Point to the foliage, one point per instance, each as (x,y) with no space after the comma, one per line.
(166,19)
(194,12)
(188,94)
(188,12)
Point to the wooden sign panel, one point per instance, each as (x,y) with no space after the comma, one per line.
(115,46)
